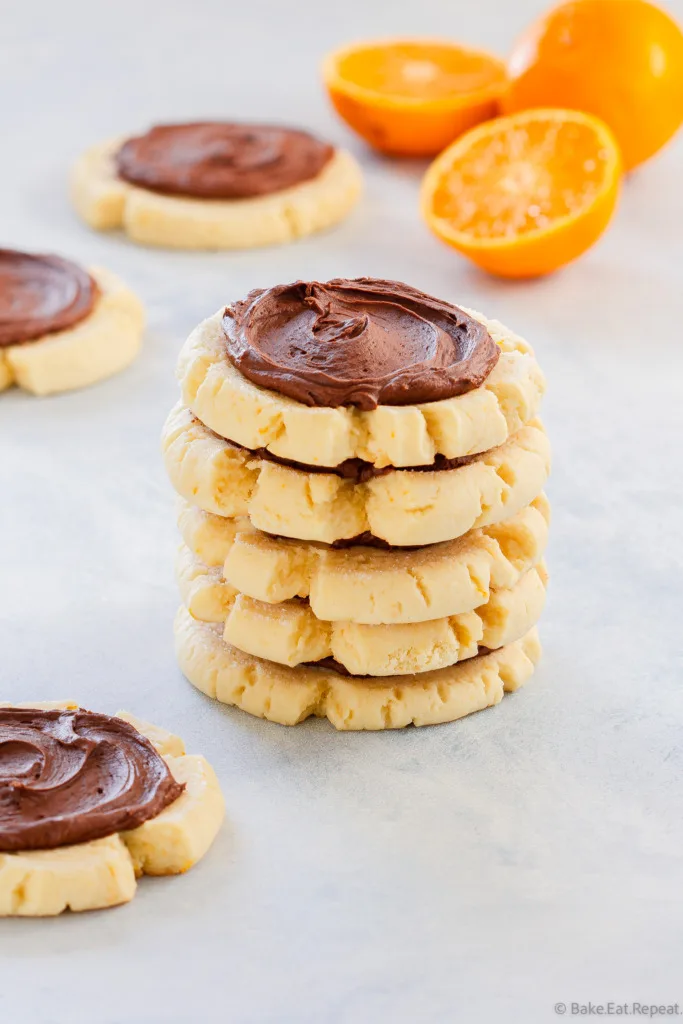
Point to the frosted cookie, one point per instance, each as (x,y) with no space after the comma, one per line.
(290,634)
(89,801)
(215,185)
(290,695)
(62,327)
(401,507)
(360,584)
(287,370)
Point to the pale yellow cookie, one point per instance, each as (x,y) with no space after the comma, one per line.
(203,590)
(402,507)
(390,435)
(359,584)
(88,876)
(105,201)
(176,839)
(290,634)
(101,873)
(102,344)
(209,537)
(289,695)
(6,375)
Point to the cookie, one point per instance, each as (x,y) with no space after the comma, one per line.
(290,695)
(389,435)
(162,814)
(401,507)
(203,589)
(359,584)
(70,329)
(106,201)
(290,634)
(209,537)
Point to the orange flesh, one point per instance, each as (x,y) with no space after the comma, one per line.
(420,71)
(522,180)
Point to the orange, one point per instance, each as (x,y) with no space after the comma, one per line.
(621,60)
(523,195)
(412,97)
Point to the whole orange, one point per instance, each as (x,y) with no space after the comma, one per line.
(621,60)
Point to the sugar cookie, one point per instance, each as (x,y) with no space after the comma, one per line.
(389,435)
(360,584)
(290,695)
(62,327)
(153,809)
(290,634)
(215,186)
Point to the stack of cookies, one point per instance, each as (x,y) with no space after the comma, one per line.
(363,522)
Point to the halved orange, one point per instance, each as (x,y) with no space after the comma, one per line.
(523,195)
(412,97)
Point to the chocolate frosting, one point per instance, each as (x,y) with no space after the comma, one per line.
(358,470)
(363,342)
(72,776)
(40,295)
(220,159)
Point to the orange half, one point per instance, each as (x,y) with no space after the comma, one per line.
(523,195)
(412,97)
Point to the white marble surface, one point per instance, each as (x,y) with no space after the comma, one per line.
(477,872)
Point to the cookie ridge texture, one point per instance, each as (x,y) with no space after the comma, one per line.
(220,556)
(290,695)
(290,634)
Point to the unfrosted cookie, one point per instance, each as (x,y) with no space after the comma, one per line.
(360,584)
(290,695)
(215,185)
(234,407)
(62,327)
(75,832)
(290,634)
(401,507)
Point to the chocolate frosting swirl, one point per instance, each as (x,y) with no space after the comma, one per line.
(221,160)
(40,295)
(363,342)
(72,776)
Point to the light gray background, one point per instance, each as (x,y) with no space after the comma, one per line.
(481,871)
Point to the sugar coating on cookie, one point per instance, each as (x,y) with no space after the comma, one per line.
(62,327)
(215,185)
(90,801)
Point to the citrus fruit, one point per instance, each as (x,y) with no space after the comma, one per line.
(523,195)
(621,60)
(412,97)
